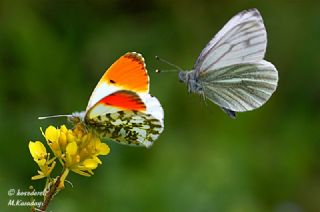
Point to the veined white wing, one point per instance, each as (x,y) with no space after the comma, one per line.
(240,87)
(242,40)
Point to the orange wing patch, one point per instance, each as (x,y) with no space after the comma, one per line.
(124,100)
(129,73)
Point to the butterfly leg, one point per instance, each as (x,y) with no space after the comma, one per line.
(230,113)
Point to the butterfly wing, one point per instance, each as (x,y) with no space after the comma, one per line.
(242,40)
(240,87)
(127,118)
(121,108)
(127,73)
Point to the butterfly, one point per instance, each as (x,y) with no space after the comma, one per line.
(120,107)
(230,70)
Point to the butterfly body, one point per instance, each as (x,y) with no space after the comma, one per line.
(121,108)
(192,81)
(230,70)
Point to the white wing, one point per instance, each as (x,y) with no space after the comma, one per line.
(240,87)
(242,40)
(125,125)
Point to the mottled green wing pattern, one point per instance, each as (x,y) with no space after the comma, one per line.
(127,127)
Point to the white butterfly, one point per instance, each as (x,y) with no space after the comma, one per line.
(230,70)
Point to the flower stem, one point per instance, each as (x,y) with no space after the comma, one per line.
(50,194)
(33,208)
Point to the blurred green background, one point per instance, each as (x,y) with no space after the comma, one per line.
(53,53)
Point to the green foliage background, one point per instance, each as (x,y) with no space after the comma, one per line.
(52,54)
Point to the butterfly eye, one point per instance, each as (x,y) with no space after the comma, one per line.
(182,76)
(74,119)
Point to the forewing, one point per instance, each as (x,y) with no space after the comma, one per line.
(127,118)
(127,73)
(240,87)
(242,40)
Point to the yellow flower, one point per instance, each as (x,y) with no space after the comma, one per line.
(77,149)
(40,156)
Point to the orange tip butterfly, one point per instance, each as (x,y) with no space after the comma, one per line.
(120,107)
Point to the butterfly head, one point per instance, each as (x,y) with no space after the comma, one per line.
(189,78)
(77,117)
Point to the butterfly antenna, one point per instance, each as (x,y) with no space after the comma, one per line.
(161,71)
(177,68)
(55,116)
